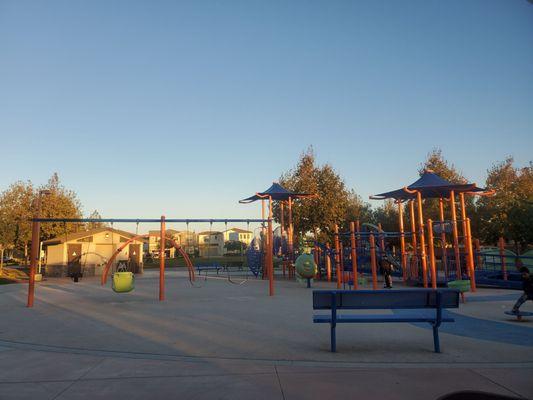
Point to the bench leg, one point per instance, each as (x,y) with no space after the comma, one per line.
(333,339)
(436,342)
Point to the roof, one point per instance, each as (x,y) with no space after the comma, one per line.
(209,233)
(430,185)
(237,230)
(158,231)
(79,235)
(277,193)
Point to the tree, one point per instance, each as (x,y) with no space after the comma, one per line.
(15,215)
(509,213)
(324,211)
(60,203)
(94,225)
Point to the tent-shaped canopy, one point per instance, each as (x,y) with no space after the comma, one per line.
(430,185)
(276,192)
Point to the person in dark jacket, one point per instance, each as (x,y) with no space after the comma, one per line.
(527,286)
(386,270)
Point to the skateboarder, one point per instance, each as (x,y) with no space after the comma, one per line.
(527,285)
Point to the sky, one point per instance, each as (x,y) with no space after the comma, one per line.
(182,108)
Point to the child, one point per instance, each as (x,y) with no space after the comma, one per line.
(527,285)
(386,270)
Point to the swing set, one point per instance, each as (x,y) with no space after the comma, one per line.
(124,281)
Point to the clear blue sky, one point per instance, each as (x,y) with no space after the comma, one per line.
(182,108)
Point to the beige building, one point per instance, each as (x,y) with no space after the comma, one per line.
(91,249)
(211,244)
(187,240)
(238,235)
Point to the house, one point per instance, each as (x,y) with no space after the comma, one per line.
(187,240)
(91,249)
(239,237)
(211,243)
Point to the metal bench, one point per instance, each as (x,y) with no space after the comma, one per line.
(423,305)
(209,267)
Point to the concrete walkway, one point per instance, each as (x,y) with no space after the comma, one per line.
(233,341)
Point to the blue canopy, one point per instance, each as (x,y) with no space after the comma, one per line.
(430,185)
(277,193)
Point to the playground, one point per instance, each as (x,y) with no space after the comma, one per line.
(233,341)
(280,320)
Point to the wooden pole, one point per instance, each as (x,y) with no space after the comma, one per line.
(290,236)
(337,257)
(402,241)
(381,240)
(162,260)
(501,246)
(354,255)
(444,256)
(478,252)
(341,259)
(465,235)
(458,273)
(422,240)
(433,267)
(473,287)
(270,265)
(373,261)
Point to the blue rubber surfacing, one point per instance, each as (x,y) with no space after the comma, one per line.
(483,329)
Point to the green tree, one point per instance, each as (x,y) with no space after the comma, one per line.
(60,203)
(509,213)
(335,204)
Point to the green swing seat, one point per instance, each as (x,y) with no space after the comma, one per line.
(123,282)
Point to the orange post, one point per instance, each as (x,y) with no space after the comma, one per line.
(433,267)
(270,265)
(337,258)
(422,240)
(162,260)
(473,287)
(478,252)
(341,259)
(402,242)
(444,256)
(373,261)
(34,255)
(465,235)
(354,255)
(413,235)
(501,246)
(458,273)
(328,262)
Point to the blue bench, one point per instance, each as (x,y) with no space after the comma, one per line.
(424,305)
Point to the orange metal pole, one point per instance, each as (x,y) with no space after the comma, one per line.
(478,251)
(373,261)
(444,256)
(433,267)
(414,271)
(354,255)
(422,240)
(162,260)
(34,252)
(465,235)
(337,257)
(341,247)
(458,273)
(473,287)
(270,259)
(290,236)
(328,262)
(402,241)
(381,239)
(501,246)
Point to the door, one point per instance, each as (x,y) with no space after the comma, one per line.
(74,260)
(133,255)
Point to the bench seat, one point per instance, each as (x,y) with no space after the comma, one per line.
(326,319)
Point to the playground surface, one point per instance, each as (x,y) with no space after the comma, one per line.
(228,341)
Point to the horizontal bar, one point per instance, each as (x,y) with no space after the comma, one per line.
(127,220)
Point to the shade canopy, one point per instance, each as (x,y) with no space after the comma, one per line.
(275,192)
(430,185)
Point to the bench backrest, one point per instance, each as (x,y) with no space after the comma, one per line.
(385,299)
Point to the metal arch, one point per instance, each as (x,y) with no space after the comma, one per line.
(188,262)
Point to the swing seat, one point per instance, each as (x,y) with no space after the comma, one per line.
(123,282)
(462,286)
